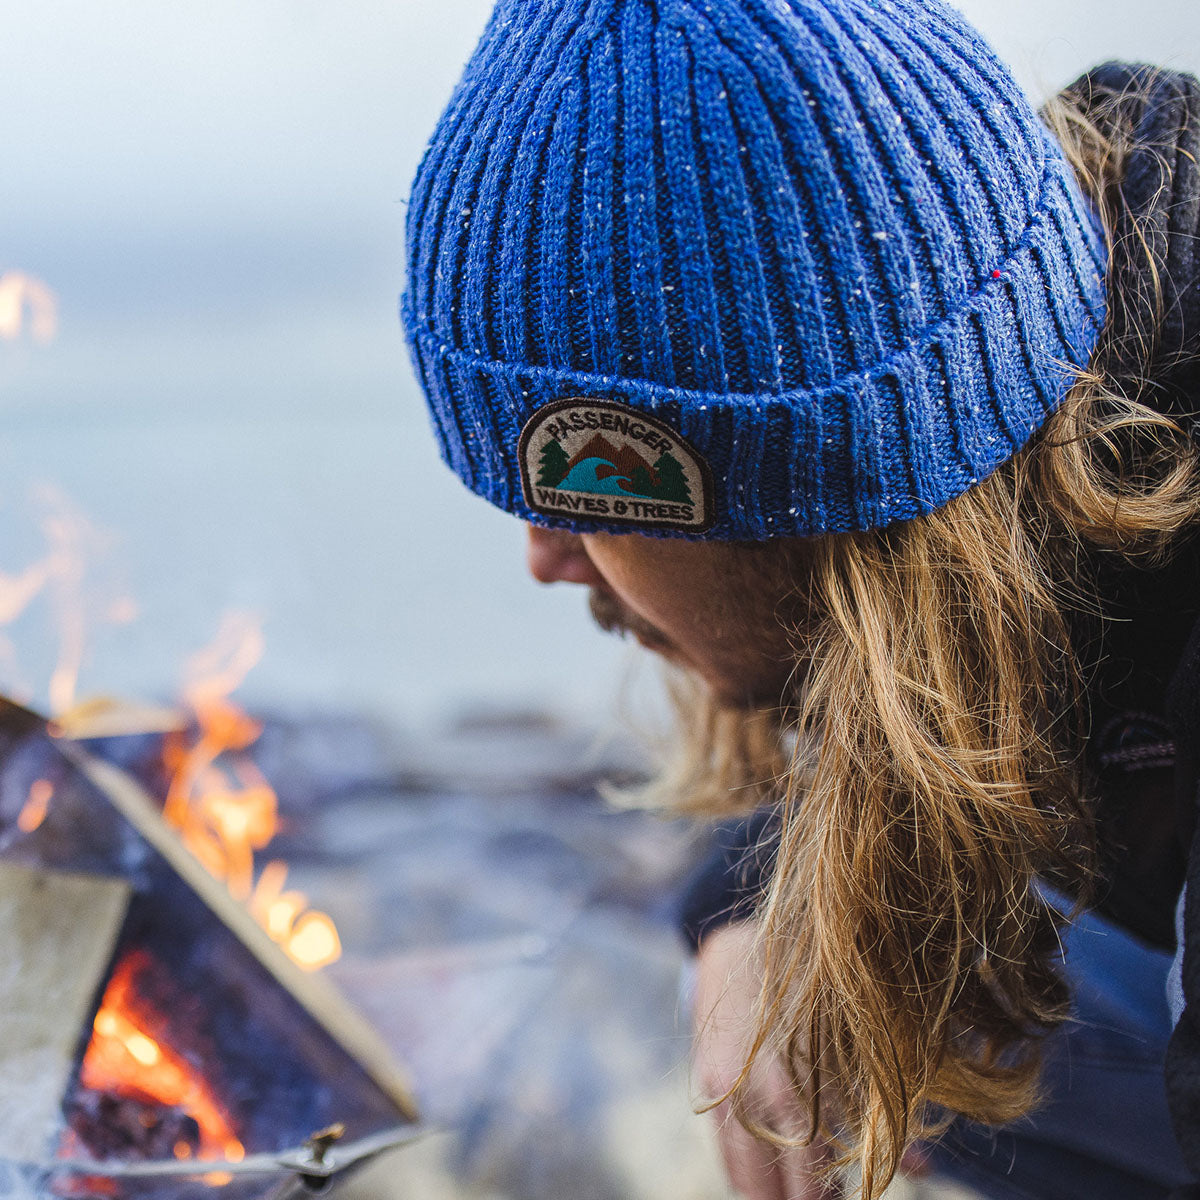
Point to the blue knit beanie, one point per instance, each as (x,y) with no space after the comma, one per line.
(742,268)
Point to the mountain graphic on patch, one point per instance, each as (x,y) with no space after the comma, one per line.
(591,458)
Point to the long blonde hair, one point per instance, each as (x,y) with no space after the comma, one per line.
(908,956)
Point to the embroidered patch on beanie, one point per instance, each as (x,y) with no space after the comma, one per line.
(596,459)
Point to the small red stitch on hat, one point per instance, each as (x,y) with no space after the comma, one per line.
(996,273)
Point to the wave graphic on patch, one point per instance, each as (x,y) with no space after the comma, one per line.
(585,477)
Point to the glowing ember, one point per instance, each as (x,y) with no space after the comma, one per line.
(223,806)
(34,811)
(27,306)
(124,1059)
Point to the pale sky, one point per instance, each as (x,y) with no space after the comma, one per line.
(216,193)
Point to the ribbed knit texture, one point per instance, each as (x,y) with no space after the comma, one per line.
(827,241)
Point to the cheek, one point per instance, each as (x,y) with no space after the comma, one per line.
(663,605)
(650,576)
(710,607)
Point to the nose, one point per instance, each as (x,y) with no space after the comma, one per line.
(557,556)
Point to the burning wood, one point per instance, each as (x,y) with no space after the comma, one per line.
(208,1040)
(210,1036)
(313,993)
(129,1060)
(219,802)
(57,936)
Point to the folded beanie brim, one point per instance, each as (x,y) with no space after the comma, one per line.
(871,449)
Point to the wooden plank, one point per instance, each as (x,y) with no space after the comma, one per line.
(314,993)
(58,932)
(107,716)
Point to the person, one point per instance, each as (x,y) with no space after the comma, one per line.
(866,397)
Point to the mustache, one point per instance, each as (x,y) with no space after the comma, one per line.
(613,617)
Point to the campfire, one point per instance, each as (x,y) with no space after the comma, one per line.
(165,1018)
(179,1030)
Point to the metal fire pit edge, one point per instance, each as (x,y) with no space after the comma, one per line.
(313,1168)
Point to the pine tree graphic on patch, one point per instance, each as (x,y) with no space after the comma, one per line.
(672,484)
(554,464)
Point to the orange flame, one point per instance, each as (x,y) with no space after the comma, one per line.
(223,806)
(34,811)
(27,305)
(73,544)
(310,937)
(125,1059)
